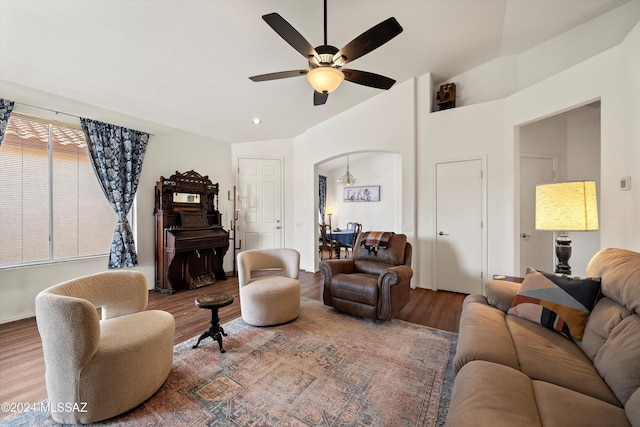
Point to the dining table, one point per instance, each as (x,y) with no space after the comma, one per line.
(343,237)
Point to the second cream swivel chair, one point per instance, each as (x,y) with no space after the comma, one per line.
(269,299)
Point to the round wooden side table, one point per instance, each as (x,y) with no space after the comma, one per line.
(213,302)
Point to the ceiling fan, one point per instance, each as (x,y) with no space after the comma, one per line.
(325,62)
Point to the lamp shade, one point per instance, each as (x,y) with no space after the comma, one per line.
(567,206)
(325,79)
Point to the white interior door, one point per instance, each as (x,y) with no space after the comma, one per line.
(536,247)
(459,255)
(259,203)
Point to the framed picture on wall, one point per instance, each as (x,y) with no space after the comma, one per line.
(369,193)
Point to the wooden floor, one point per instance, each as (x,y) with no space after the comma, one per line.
(21,360)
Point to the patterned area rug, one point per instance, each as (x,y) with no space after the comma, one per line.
(323,369)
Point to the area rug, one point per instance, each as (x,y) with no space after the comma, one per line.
(323,369)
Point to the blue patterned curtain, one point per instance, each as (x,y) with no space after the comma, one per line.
(6,107)
(117,154)
(322,196)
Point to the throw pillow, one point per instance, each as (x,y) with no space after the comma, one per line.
(557,301)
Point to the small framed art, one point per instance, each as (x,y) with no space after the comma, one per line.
(369,193)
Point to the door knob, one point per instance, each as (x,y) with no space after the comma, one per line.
(526,236)
(278,228)
(442,233)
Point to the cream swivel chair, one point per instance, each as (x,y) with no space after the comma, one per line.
(269,299)
(102,368)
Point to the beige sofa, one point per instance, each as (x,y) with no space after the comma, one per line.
(514,372)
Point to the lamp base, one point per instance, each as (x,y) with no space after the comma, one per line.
(563,253)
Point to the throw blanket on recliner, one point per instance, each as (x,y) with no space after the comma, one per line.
(374,240)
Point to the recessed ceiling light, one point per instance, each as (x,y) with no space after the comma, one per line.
(256,121)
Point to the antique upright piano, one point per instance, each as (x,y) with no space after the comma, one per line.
(190,240)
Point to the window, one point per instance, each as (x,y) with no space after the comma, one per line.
(52,207)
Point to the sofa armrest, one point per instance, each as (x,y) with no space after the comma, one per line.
(500,293)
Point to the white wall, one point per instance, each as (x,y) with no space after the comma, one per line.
(456,134)
(382,169)
(507,75)
(547,136)
(583,164)
(384,123)
(574,138)
(598,77)
(491,128)
(628,158)
(168,150)
(178,151)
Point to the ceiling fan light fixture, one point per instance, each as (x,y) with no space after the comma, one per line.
(325,79)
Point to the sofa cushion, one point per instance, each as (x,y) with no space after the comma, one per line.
(620,273)
(488,394)
(356,287)
(370,267)
(560,407)
(548,356)
(605,316)
(618,361)
(483,335)
(632,408)
(500,293)
(556,301)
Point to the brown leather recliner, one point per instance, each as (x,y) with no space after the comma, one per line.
(373,283)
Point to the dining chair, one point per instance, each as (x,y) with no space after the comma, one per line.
(357,229)
(326,241)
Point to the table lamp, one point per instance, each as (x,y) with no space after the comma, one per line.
(566,206)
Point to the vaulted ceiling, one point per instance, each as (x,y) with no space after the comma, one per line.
(186,64)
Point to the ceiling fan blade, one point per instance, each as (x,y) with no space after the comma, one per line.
(371,39)
(366,78)
(290,35)
(278,75)
(319,98)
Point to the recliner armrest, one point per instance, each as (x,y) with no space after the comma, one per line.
(395,285)
(329,269)
(500,293)
(335,266)
(393,275)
